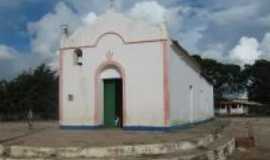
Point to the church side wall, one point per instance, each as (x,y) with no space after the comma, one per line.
(142,64)
(191,96)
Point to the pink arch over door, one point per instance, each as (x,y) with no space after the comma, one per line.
(107,64)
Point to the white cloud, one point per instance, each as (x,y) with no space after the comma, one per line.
(46,33)
(6,52)
(45,39)
(12,62)
(199,29)
(154,13)
(150,11)
(249,49)
(215,51)
(191,38)
(89,18)
(246,51)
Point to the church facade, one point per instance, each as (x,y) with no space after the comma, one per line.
(123,72)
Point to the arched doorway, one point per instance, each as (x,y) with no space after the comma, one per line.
(112,96)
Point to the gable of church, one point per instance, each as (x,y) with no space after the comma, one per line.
(129,30)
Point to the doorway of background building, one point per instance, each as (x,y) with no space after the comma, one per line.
(113,103)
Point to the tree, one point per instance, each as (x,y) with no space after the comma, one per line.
(226,78)
(259,81)
(36,90)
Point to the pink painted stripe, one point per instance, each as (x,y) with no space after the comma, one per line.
(166,82)
(113,33)
(60,111)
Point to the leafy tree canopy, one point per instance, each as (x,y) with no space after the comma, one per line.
(231,79)
(36,90)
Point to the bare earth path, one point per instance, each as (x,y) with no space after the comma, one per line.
(10,130)
(261,129)
(48,134)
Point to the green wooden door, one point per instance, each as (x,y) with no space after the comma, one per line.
(109,102)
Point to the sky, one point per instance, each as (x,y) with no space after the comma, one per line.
(231,31)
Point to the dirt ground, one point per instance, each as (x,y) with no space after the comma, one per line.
(49,134)
(261,130)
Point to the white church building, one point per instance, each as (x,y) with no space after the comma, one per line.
(123,72)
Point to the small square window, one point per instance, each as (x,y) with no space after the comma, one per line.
(70,97)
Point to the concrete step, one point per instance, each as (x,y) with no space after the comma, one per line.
(103,152)
(217,150)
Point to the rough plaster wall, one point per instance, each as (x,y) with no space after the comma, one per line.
(181,76)
(142,63)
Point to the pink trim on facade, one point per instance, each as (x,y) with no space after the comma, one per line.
(100,68)
(117,34)
(108,33)
(60,111)
(166,81)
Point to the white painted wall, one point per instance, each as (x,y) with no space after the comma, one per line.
(222,111)
(110,73)
(144,82)
(187,107)
(132,45)
(240,109)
